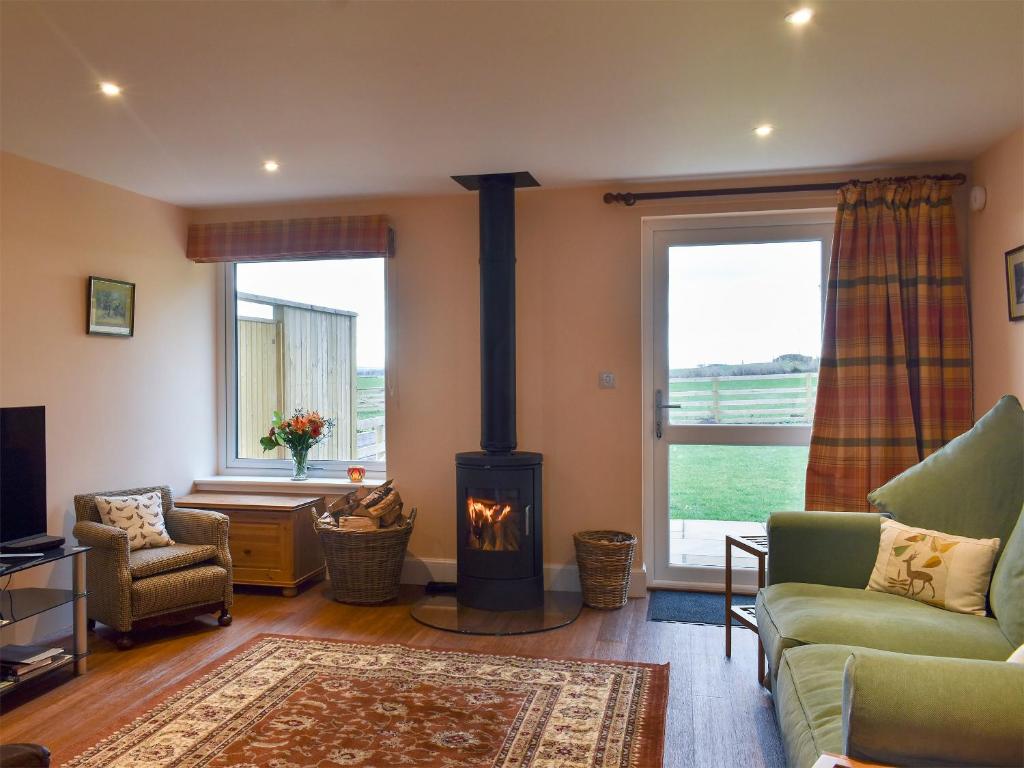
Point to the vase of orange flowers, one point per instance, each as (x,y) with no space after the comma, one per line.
(298,434)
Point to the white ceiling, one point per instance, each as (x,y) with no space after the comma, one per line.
(361,98)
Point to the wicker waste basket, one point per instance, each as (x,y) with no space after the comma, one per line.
(364,566)
(605,559)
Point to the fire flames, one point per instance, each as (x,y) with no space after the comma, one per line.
(480,512)
(489,525)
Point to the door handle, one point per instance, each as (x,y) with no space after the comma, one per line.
(527,512)
(659,406)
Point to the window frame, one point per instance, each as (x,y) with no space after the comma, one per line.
(657,234)
(230,462)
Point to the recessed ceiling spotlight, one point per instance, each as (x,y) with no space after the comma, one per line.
(108,88)
(764,130)
(800,17)
(271,166)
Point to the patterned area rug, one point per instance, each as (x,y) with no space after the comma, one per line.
(284,702)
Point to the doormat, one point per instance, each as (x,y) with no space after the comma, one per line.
(692,607)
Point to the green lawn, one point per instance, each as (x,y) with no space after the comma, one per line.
(735,482)
(370,391)
(369,382)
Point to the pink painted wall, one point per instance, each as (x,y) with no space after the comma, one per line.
(119,412)
(579,312)
(116,406)
(998,343)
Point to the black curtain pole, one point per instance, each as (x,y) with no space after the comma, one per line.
(631,198)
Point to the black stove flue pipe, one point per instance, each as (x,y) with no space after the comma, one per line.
(497,305)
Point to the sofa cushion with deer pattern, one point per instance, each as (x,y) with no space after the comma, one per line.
(141,516)
(947,571)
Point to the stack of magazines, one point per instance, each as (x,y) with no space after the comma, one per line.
(17,661)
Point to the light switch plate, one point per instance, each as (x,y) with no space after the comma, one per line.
(606,380)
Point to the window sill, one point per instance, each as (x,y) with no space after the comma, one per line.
(279,484)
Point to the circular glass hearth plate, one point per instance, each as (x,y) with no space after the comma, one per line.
(445,612)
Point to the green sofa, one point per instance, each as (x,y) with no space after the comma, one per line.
(884,678)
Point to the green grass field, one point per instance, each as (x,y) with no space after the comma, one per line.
(370,404)
(369,382)
(735,482)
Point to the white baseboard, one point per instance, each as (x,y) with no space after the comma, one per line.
(558,578)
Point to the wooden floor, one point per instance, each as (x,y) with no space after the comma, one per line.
(718,715)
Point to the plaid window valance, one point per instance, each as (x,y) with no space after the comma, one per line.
(328,237)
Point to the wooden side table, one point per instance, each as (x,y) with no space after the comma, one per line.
(271,537)
(744,614)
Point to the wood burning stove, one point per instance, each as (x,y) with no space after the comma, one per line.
(500,547)
(498,489)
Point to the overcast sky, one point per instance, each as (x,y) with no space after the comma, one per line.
(743,303)
(356,285)
(727,303)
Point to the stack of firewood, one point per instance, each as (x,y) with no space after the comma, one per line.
(365,509)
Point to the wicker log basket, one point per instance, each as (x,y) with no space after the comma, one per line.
(364,566)
(605,559)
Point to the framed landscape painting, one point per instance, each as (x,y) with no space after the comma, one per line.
(111,307)
(1015,282)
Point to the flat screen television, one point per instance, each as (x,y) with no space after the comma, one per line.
(22,473)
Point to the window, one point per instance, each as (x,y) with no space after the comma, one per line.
(744,332)
(306,335)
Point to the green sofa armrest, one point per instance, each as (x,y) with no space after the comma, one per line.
(837,549)
(902,709)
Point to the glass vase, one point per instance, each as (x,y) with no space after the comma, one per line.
(300,462)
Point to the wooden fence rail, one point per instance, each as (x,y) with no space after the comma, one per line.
(723,400)
(370,439)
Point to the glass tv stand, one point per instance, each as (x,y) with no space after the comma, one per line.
(25,602)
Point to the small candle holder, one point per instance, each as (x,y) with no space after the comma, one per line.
(356,474)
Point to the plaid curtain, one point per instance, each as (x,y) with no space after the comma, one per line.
(895,381)
(328,237)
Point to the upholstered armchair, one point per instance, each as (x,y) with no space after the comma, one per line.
(164,585)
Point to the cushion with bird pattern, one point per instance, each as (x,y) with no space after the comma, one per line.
(142,516)
(947,571)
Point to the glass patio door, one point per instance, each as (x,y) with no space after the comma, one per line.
(737,307)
